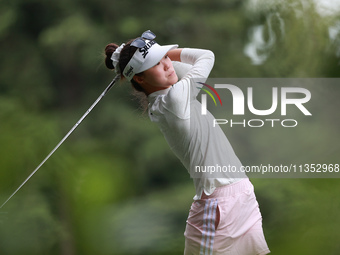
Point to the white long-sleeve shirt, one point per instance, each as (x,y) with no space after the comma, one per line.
(190,134)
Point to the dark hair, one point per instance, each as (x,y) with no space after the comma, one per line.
(125,56)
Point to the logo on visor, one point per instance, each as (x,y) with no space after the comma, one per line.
(145,49)
(128,72)
(209,93)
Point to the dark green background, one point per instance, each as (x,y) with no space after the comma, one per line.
(115,187)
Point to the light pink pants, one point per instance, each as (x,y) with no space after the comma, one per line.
(228,222)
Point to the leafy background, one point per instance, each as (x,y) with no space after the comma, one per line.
(114,187)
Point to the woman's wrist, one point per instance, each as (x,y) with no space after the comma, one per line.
(175,55)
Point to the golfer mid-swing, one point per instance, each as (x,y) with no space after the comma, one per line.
(224,218)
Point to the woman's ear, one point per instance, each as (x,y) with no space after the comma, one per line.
(139,79)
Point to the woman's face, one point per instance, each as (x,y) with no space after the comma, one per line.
(158,77)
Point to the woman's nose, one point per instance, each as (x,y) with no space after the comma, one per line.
(166,64)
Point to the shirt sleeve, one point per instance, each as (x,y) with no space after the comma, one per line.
(201,60)
(181,69)
(186,89)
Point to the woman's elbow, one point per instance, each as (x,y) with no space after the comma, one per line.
(210,55)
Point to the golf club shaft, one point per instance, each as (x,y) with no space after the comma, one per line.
(65,137)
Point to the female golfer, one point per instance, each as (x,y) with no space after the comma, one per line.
(224,218)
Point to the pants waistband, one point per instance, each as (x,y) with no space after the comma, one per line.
(230,190)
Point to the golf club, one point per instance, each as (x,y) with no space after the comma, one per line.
(66,136)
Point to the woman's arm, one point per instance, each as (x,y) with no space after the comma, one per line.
(201,61)
(185,90)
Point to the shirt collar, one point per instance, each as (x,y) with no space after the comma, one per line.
(155,94)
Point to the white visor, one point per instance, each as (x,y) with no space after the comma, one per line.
(146,57)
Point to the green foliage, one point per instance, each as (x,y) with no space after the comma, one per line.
(115,187)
